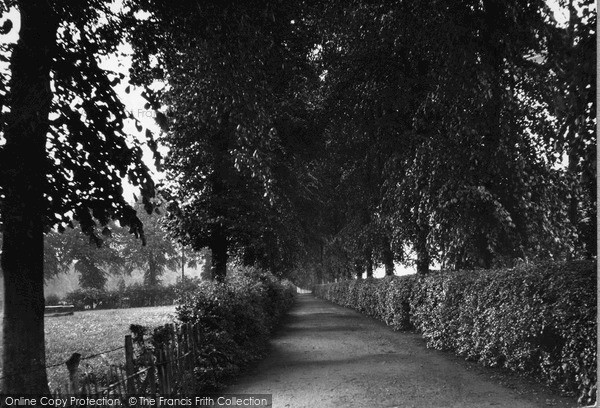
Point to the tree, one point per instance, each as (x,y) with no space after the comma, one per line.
(459,168)
(206,266)
(23,204)
(160,253)
(572,95)
(487,177)
(63,159)
(233,97)
(119,253)
(74,249)
(189,258)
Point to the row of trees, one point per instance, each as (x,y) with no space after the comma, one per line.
(238,82)
(340,137)
(318,140)
(465,133)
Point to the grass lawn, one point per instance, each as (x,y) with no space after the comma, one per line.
(92,332)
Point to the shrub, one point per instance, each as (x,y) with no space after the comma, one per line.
(139,295)
(88,298)
(186,287)
(385,299)
(52,300)
(396,295)
(136,295)
(539,319)
(236,318)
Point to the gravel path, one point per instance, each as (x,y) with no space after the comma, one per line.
(330,356)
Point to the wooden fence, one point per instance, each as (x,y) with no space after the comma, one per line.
(148,369)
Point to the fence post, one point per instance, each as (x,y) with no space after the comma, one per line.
(73,366)
(188,351)
(173,357)
(129,365)
(152,377)
(191,336)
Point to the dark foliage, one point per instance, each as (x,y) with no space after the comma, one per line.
(136,295)
(236,318)
(52,300)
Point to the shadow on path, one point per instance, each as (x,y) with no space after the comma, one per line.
(329,356)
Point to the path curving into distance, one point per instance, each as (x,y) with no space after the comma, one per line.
(325,356)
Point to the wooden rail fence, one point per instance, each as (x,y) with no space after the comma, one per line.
(148,369)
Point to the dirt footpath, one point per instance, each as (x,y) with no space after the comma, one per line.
(329,356)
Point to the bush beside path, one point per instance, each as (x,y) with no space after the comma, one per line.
(329,356)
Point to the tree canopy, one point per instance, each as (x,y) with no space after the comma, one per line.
(398,145)
(236,118)
(318,140)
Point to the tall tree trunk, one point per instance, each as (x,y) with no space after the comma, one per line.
(90,275)
(218,249)
(358,269)
(574,135)
(388,259)
(23,180)
(484,253)
(221,161)
(494,58)
(423,259)
(182,264)
(369,260)
(319,275)
(206,273)
(151,278)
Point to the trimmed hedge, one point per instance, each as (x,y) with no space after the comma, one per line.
(236,319)
(538,319)
(136,295)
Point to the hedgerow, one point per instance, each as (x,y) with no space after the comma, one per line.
(538,319)
(135,295)
(236,318)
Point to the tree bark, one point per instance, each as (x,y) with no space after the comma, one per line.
(182,264)
(423,259)
(388,259)
(483,251)
(218,249)
(218,239)
(358,269)
(23,181)
(369,260)
(207,266)
(151,278)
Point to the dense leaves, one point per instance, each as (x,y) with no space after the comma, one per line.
(450,150)
(136,295)
(74,249)
(88,152)
(160,253)
(235,120)
(572,98)
(235,318)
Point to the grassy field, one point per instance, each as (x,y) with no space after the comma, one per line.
(92,332)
